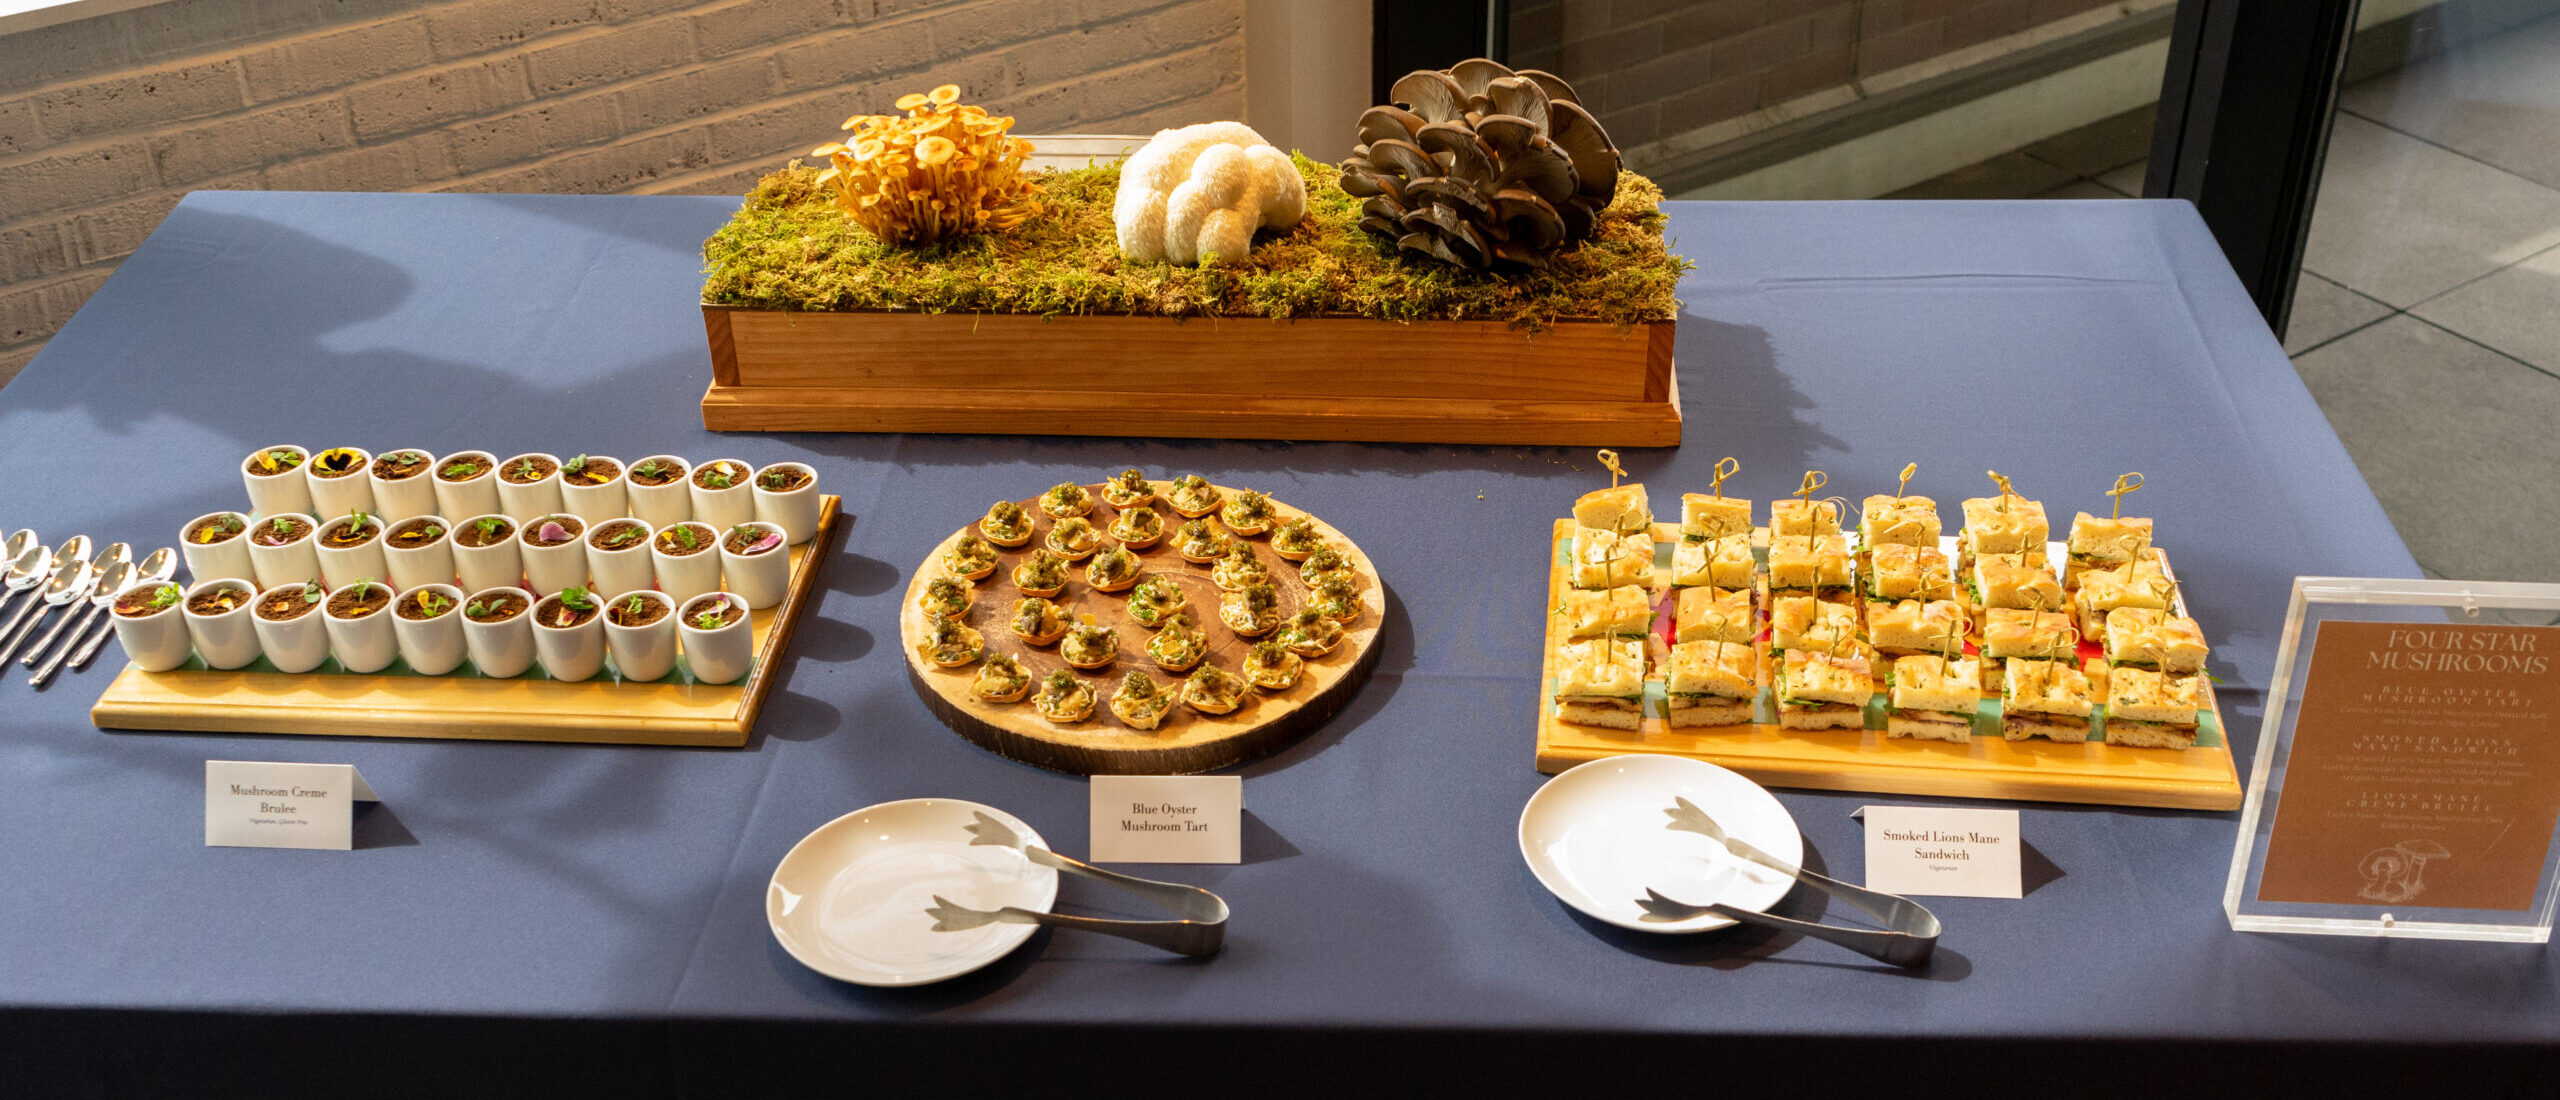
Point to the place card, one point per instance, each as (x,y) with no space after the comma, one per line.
(1168,819)
(1943,852)
(252,804)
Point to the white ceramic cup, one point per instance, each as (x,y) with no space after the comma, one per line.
(716,656)
(337,496)
(293,645)
(595,503)
(729,507)
(414,495)
(626,569)
(413,566)
(684,576)
(647,652)
(341,566)
(501,649)
(760,579)
(225,639)
(661,505)
(497,565)
(568,652)
(548,569)
(365,643)
(291,563)
(272,494)
(529,499)
(156,640)
(215,560)
(433,646)
(795,511)
(471,496)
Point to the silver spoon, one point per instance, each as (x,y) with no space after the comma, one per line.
(66,586)
(160,566)
(111,582)
(71,557)
(27,569)
(17,543)
(102,574)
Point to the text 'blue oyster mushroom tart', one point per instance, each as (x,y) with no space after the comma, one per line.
(1153,598)
(1066,499)
(1140,702)
(1199,543)
(1193,496)
(1138,527)
(1063,698)
(1006,524)
(1179,645)
(1128,489)
(1001,680)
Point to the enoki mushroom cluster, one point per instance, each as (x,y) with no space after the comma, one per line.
(943,170)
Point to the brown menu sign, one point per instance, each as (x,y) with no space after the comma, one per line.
(2425,770)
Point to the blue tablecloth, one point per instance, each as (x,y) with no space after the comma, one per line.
(614,895)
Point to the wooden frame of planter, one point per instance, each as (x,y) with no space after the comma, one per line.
(1350,378)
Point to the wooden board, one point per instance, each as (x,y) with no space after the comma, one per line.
(471,707)
(1204,377)
(1188,741)
(2198,778)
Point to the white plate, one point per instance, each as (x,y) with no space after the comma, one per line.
(849,899)
(1595,837)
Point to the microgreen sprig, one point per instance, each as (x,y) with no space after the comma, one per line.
(461,469)
(488,527)
(709,618)
(312,592)
(577,599)
(164,596)
(719,475)
(432,603)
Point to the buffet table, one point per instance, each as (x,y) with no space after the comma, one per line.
(565,918)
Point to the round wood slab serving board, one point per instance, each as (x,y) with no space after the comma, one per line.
(1187,741)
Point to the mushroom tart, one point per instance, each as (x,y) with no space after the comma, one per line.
(1296,539)
(1141,702)
(1240,569)
(1006,524)
(944,598)
(1198,543)
(1213,690)
(1251,611)
(1063,699)
(1128,489)
(1248,514)
(1089,645)
(1138,527)
(1073,538)
(1066,499)
(970,558)
(1309,634)
(1112,570)
(1193,496)
(1324,560)
(1001,680)
(1037,621)
(1179,645)
(1335,597)
(1041,573)
(1271,667)
(1154,598)
(953,644)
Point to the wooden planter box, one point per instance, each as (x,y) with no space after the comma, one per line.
(1582,383)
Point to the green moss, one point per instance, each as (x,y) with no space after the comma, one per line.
(789,248)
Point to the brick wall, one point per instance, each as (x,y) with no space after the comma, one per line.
(106,122)
(1652,69)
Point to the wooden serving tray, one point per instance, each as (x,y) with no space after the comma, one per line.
(2201,777)
(471,707)
(1578,382)
(1188,741)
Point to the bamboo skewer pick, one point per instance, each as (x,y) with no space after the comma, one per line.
(1609,459)
(2125,483)
(1725,467)
(1901,488)
(1813,479)
(2006,490)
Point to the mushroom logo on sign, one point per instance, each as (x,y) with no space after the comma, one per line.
(2391,874)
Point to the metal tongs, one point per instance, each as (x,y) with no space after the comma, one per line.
(1202,932)
(1909,937)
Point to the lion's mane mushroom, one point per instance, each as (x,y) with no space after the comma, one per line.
(1200,192)
(1481,166)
